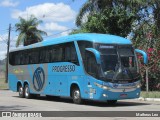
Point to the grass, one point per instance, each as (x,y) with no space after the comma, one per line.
(151,94)
(3,85)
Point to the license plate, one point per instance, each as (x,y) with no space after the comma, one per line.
(123,95)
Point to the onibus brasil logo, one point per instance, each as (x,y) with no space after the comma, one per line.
(38,79)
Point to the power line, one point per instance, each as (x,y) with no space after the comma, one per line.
(59,33)
(3,40)
(49,13)
(3,30)
(12,29)
(6,30)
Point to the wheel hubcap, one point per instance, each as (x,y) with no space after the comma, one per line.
(20,90)
(26,92)
(76,94)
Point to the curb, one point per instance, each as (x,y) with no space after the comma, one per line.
(149,99)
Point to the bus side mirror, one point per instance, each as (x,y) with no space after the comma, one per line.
(145,57)
(96,53)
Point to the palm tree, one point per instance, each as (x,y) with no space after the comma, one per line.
(29,33)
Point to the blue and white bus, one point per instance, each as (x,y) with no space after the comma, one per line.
(82,66)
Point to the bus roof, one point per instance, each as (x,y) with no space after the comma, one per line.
(92,37)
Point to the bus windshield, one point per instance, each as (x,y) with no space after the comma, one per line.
(118,63)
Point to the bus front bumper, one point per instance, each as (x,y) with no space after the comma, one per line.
(130,91)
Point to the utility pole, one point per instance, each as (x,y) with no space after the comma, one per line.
(147,82)
(7,59)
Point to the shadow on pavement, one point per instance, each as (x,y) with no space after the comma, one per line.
(90,103)
(10,108)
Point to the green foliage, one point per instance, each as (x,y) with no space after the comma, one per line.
(146,37)
(113,17)
(114,21)
(147,40)
(82,30)
(29,33)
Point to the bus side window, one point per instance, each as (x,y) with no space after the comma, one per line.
(17,58)
(12,58)
(21,57)
(67,54)
(73,54)
(47,55)
(30,57)
(36,56)
(53,53)
(70,53)
(59,54)
(42,56)
(91,64)
(82,45)
(26,61)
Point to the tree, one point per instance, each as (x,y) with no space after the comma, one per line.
(91,7)
(108,16)
(29,33)
(147,40)
(146,36)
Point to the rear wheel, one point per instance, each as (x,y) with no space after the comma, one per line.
(21,92)
(27,93)
(76,96)
(111,102)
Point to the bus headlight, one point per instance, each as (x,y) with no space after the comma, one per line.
(98,85)
(105,87)
(138,85)
(101,86)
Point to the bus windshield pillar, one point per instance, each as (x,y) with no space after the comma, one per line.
(96,53)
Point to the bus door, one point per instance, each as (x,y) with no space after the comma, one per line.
(91,68)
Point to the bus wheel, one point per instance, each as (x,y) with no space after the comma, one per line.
(111,102)
(76,96)
(27,92)
(21,91)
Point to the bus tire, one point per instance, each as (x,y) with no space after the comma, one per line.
(21,91)
(27,93)
(76,96)
(111,102)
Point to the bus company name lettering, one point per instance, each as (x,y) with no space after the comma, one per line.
(63,68)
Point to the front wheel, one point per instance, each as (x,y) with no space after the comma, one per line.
(111,102)
(76,96)
(27,93)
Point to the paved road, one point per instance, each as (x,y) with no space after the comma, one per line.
(9,101)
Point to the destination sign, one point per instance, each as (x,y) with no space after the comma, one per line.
(106,46)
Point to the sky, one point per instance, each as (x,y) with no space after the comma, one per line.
(58,18)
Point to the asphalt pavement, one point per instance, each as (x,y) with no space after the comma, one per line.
(10,102)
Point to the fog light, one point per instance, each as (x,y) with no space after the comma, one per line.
(105,95)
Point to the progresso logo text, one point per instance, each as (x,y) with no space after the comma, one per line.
(63,68)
